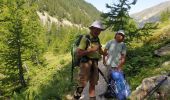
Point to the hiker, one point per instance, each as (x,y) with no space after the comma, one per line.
(89,56)
(114,59)
(115,51)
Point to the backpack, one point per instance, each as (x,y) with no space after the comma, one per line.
(75,58)
(75,45)
(118,86)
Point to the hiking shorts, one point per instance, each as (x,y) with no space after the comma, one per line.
(89,72)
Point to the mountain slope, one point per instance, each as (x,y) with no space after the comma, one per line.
(76,11)
(151,14)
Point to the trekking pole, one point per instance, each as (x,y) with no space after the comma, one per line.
(108,84)
(72,69)
(103,76)
(156,87)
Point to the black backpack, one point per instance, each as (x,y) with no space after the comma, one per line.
(75,45)
(75,58)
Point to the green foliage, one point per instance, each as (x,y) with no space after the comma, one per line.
(106,36)
(64,34)
(118,19)
(165,16)
(118,15)
(76,11)
(141,62)
(50,82)
(20,40)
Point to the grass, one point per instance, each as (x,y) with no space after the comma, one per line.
(49,82)
(148,72)
(141,61)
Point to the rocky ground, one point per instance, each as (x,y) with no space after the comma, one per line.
(148,84)
(100,88)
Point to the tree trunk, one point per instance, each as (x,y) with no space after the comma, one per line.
(20,68)
(21,75)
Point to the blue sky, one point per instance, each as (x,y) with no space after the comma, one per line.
(140,5)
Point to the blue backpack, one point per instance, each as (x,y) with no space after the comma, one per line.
(118,87)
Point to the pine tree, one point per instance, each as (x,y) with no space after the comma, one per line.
(21,41)
(118,18)
(165,15)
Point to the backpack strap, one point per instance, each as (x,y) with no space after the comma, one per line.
(88,41)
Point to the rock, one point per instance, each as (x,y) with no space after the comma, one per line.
(163,51)
(167,63)
(69,97)
(148,84)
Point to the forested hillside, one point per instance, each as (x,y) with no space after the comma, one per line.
(152,14)
(76,11)
(29,50)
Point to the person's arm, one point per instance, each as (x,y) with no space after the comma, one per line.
(104,56)
(101,50)
(123,56)
(122,62)
(105,52)
(81,52)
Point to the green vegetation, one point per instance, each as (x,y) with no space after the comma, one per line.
(28,71)
(49,82)
(141,61)
(76,11)
(20,31)
(118,19)
(44,54)
(59,33)
(141,41)
(165,16)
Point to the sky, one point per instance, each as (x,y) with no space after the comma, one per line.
(140,5)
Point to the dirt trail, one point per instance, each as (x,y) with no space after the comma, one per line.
(100,88)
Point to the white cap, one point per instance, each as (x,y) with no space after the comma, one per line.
(121,31)
(97,24)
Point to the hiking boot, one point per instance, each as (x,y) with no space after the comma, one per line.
(77,93)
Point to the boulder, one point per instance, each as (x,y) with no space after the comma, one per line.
(167,63)
(163,51)
(148,84)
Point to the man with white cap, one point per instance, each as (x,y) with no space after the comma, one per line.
(90,54)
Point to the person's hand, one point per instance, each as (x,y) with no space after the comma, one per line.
(93,48)
(104,62)
(105,54)
(118,68)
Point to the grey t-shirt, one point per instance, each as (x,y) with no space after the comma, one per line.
(115,50)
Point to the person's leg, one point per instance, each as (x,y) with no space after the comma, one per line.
(94,76)
(92,89)
(83,78)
